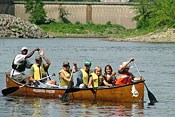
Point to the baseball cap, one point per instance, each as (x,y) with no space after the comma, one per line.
(87,63)
(24,48)
(65,63)
(38,58)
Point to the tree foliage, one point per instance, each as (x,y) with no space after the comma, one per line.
(36,9)
(155,13)
(63,15)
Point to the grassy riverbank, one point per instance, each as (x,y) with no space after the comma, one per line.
(82,30)
(109,32)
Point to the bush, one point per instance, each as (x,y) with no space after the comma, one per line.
(155,13)
(36,9)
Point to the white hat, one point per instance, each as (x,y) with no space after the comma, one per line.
(24,48)
(124,63)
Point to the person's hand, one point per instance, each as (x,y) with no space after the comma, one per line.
(70,80)
(109,85)
(113,82)
(74,64)
(113,74)
(37,49)
(42,52)
(132,59)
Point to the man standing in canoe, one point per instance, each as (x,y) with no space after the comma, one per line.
(19,64)
(83,75)
(40,70)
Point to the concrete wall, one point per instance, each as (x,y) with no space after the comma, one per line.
(6,7)
(117,14)
(98,13)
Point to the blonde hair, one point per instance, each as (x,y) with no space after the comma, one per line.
(98,68)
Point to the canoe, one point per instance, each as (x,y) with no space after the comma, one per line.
(123,93)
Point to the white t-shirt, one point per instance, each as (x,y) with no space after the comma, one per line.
(19,59)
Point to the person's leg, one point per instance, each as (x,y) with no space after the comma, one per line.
(19,78)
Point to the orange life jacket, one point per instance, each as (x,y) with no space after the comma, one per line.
(124,79)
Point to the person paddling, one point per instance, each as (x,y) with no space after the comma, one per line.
(40,69)
(125,76)
(20,63)
(65,75)
(83,75)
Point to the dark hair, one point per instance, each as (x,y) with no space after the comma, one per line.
(109,68)
(38,58)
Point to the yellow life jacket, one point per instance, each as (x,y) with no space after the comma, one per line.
(85,76)
(64,82)
(97,80)
(39,72)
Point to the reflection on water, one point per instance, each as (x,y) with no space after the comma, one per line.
(42,107)
(112,108)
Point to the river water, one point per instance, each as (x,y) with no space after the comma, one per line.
(154,60)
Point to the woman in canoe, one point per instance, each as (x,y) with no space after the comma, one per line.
(65,75)
(109,75)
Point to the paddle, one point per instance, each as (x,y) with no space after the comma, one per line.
(151,97)
(10,90)
(68,90)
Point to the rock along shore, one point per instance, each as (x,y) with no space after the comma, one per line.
(14,27)
(159,36)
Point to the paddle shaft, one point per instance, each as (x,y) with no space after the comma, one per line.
(138,70)
(151,96)
(65,95)
(46,77)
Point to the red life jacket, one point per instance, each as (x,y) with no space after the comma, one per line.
(124,79)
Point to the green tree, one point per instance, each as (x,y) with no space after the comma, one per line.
(63,15)
(155,13)
(36,9)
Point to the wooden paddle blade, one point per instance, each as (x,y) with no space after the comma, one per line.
(69,90)
(152,98)
(9,90)
(64,97)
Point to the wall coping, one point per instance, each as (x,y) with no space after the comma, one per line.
(82,3)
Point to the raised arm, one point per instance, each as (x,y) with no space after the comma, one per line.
(75,67)
(124,65)
(48,62)
(31,53)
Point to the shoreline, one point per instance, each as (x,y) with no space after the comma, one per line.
(14,27)
(163,36)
